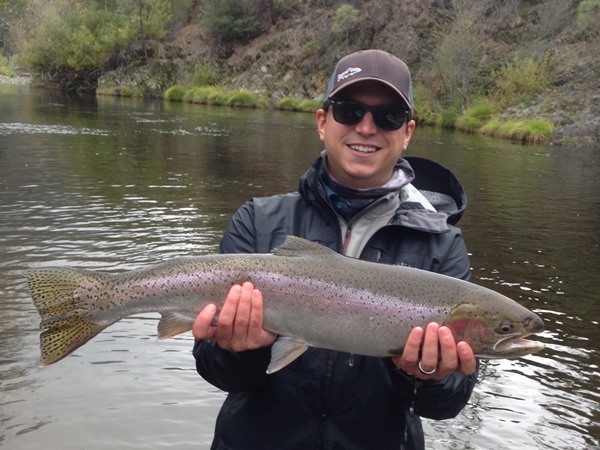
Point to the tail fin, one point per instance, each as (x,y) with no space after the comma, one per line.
(65,318)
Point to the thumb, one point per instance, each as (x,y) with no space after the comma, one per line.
(204,325)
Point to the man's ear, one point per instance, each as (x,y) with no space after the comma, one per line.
(408,131)
(321,119)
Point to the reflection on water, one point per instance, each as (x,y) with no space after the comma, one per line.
(115,184)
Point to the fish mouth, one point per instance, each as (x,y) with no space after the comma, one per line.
(515,345)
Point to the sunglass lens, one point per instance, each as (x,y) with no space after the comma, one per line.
(348,113)
(389,118)
(386,117)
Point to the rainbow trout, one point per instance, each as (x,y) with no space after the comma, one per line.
(312,297)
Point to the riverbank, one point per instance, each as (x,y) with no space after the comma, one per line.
(18,80)
(476,120)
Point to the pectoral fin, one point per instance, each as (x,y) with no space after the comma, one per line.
(285,350)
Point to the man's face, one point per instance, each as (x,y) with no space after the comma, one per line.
(363,155)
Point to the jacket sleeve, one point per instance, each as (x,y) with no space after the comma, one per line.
(436,400)
(231,371)
(227,370)
(446,398)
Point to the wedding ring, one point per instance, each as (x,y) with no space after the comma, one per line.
(425,372)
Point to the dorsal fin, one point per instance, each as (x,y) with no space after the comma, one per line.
(295,246)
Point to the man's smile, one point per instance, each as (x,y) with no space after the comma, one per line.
(363,148)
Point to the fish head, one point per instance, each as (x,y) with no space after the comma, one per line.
(497,332)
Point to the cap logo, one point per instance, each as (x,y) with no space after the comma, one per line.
(348,73)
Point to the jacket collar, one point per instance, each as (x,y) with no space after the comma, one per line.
(430,203)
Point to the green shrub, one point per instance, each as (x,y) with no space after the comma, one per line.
(347,19)
(587,11)
(481,112)
(427,111)
(175,93)
(137,91)
(310,105)
(75,44)
(535,130)
(449,116)
(228,20)
(217,98)
(492,127)
(242,98)
(204,75)
(200,94)
(520,80)
(7,67)
(295,104)
(289,104)
(310,48)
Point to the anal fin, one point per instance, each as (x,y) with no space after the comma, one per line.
(173,323)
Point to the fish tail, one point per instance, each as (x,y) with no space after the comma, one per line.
(66,319)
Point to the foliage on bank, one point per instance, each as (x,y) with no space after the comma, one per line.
(518,81)
(71,43)
(6,67)
(472,60)
(216,96)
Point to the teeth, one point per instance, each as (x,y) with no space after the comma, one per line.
(363,148)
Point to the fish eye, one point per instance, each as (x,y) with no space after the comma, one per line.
(505,327)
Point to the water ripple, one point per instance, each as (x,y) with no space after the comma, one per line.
(29,128)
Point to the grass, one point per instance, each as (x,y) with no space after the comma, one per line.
(8,65)
(479,114)
(214,95)
(534,130)
(200,94)
(7,72)
(243,99)
(295,104)
(175,93)
(288,104)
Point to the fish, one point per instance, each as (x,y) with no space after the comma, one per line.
(313,297)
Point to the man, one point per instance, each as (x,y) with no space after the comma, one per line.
(360,198)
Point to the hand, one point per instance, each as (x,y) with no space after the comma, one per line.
(239,326)
(435,349)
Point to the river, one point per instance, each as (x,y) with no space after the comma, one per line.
(116,184)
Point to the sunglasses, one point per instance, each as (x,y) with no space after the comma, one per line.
(351,112)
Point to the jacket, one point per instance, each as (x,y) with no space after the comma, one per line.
(326,399)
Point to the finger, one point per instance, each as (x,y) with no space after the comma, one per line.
(202,327)
(468,362)
(430,351)
(449,356)
(226,319)
(242,315)
(258,335)
(256,312)
(411,352)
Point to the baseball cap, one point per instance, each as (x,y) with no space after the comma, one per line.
(372,65)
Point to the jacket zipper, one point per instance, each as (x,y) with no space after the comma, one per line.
(346,240)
